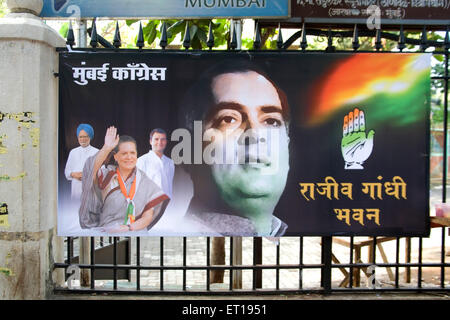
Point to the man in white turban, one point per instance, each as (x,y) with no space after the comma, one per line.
(77,158)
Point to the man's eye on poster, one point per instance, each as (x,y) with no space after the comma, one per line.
(249,144)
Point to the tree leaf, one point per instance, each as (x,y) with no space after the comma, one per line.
(201,35)
(130,22)
(150,31)
(192,31)
(64,29)
(177,27)
(438,57)
(196,44)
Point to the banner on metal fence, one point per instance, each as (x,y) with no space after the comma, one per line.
(184,9)
(243,144)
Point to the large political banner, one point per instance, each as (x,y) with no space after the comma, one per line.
(243,144)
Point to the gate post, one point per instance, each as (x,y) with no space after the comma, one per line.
(28,153)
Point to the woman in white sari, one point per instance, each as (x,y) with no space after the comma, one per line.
(119,197)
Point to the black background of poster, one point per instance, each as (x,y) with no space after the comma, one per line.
(135,107)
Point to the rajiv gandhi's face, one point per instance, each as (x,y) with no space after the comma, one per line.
(248,112)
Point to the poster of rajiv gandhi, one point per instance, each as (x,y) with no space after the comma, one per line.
(262,143)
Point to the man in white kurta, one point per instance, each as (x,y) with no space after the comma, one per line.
(156,165)
(78,157)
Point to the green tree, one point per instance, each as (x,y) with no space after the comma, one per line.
(198,31)
(3,8)
(269,37)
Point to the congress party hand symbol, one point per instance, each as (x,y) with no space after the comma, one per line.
(356,146)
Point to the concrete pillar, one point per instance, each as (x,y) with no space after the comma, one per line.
(28,153)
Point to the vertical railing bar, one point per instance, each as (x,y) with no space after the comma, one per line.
(208,263)
(443,258)
(210,40)
(70,36)
(184,262)
(444,169)
(115,263)
(300,276)
(140,38)
(351,262)
(355,42)
(397,261)
(257,37)
(92,262)
(419,271)
(187,36)
(280,38)
(330,47)
(257,259)
(138,263)
(374,257)
(161,263)
(445,155)
(326,264)
(374,252)
(117,40)
(233,40)
(401,39)
(94,38)
(423,39)
(378,44)
(254,265)
(277,280)
(231,264)
(69,251)
(163,39)
(128,255)
(304,40)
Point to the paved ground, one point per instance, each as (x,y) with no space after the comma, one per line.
(334,296)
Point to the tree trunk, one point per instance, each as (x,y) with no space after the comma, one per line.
(217,258)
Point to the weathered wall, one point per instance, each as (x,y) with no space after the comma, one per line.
(28,157)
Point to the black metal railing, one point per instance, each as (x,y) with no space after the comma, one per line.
(297,264)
